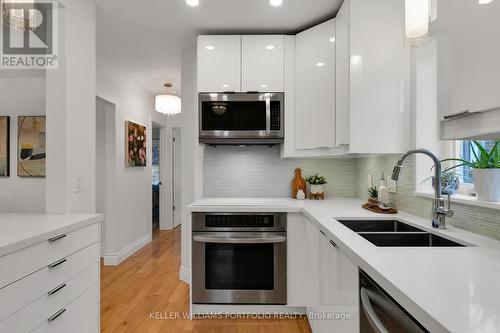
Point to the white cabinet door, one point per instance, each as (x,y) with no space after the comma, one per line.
(379,78)
(219,63)
(315,87)
(263,63)
(468,56)
(342,75)
(298,278)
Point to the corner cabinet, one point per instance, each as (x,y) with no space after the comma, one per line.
(219,63)
(379,78)
(310,121)
(263,63)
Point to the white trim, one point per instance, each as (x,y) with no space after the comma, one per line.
(185,275)
(113,259)
(464,200)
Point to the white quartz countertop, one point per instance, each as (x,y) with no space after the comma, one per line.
(18,231)
(446,289)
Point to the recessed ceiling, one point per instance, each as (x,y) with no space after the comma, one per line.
(145,39)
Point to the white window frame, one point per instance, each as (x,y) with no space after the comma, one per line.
(455,150)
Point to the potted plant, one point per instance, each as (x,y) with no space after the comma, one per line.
(485,170)
(373,194)
(450,182)
(316,181)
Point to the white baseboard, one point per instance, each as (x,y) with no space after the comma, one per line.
(113,259)
(185,275)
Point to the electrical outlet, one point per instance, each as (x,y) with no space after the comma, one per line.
(77,183)
(392,185)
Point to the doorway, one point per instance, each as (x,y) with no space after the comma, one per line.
(156,182)
(176,177)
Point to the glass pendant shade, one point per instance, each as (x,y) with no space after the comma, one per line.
(168,104)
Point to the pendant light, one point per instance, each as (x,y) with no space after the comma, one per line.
(168,104)
(416,23)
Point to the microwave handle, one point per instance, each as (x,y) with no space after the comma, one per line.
(239,240)
(372,317)
(268,115)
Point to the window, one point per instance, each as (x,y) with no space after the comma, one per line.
(466,151)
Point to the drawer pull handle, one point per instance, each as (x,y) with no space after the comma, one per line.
(333,243)
(56,289)
(57,263)
(57,314)
(322,232)
(56,238)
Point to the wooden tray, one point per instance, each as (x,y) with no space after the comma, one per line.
(376,209)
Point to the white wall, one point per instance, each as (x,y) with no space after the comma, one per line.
(128,226)
(22,93)
(192,155)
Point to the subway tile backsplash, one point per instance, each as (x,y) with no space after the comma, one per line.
(258,171)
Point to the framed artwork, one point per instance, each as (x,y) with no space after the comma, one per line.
(135,145)
(31,151)
(4,146)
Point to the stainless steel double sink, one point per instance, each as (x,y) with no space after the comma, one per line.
(391,233)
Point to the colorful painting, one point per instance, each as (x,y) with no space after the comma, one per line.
(136,145)
(4,146)
(31,146)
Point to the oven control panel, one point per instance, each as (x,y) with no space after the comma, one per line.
(239,221)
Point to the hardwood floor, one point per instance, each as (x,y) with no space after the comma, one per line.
(147,284)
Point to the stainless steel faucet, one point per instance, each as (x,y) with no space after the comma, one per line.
(439,212)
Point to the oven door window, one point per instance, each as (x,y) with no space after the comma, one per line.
(239,266)
(234,116)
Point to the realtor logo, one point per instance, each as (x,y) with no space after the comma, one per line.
(29,34)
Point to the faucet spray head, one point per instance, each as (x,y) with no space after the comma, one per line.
(396,172)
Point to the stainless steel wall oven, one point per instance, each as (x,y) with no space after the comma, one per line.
(239,258)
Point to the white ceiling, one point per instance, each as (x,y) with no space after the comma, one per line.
(145,39)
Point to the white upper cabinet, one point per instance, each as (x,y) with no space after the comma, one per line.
(342,76)
(219,63)
(315,87)
(468,67)
(263,63)
(379,78)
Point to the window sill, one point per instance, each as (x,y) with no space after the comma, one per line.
(464,200)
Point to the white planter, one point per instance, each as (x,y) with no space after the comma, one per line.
(487,184)
(317,189)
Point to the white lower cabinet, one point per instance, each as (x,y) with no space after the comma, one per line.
(52,286)
(337,308)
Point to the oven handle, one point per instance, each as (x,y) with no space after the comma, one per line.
(372,317)
(268,114)
(239,240)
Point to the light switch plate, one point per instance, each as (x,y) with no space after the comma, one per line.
(77,183)
(393,186)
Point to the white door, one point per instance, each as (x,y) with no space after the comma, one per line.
(176,177)
(315,87)
(263,63)
(219,63)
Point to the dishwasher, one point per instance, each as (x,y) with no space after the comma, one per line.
(380,313)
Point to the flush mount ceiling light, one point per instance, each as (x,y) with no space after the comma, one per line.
(275,3)
(193,3)
(484,2)
(210,47)
(332,39)
(270,47)
(416,23)
(168,104)
(320,64)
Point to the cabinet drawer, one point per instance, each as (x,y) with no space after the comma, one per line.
(21,293)
(80,316)
(33,315)
(19,264)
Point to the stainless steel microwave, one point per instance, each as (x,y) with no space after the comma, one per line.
(241,118)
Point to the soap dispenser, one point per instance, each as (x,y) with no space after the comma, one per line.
(383,192)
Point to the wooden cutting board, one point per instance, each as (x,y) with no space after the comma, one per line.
(376,209)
